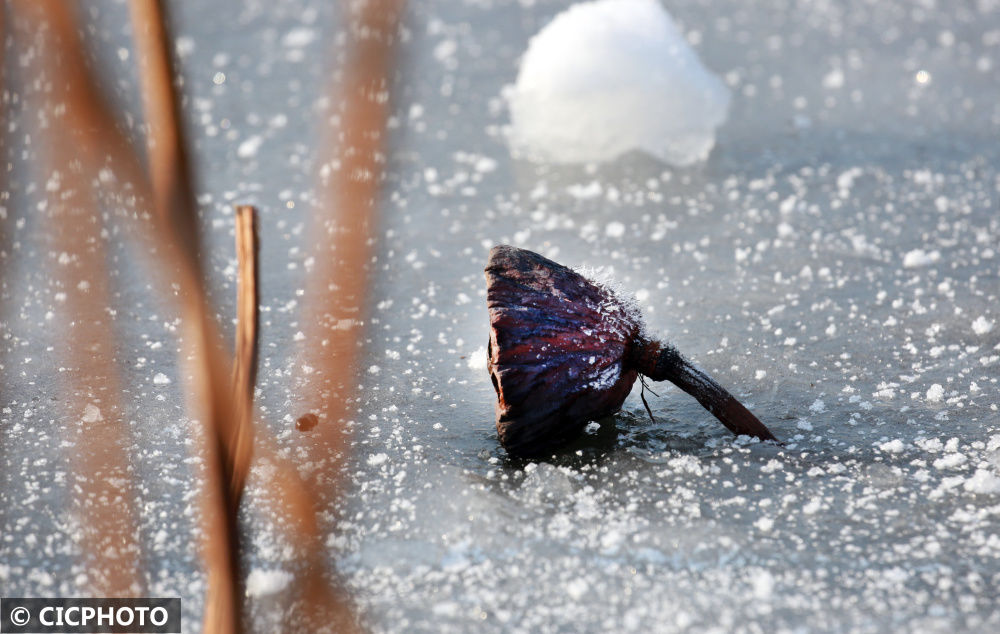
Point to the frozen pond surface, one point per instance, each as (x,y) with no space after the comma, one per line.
(834,262)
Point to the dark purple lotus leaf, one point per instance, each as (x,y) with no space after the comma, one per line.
(564,351)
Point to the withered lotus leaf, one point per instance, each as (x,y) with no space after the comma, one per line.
(564,351)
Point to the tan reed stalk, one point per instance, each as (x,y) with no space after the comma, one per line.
(210,384)
(245,359)
(344,225)
(293,498)
(337,289)
(88,114)
(102,482)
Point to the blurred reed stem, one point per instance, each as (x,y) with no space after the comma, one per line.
(219,394)
(102,481)
(344,225)
(209,389)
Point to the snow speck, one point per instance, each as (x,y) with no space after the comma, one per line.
(375,460)
(249,147)
(477,360)
(818,407)
(764,524)
(983,481)
(935,393)
(262,582)
(834,79)
(577,588)
(892,446)
(161,379)
(611,76)
(91,414)
(918,257)
(614,229)
(950,461)
(982,325)
(297,38)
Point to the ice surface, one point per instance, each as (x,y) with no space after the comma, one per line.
(610,76)
(777,265)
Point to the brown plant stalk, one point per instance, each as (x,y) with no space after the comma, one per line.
(245,358)
(337,289)
(87,113)
(209,388)
(104,492)
(344,225)
(236,440)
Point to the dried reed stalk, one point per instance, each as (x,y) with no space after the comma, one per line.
(344,228)
(105,495)
(210,388)
(235,439)
(171,237)
(245,358)
(337,289)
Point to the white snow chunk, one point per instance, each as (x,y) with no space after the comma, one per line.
(935,393)
(892,446)
(764,524)
(161,379)
(91,414)
(818,407)
(298,37)
(763,584)
(610,76)
(477,360)
(950,461)
(918,257)
(262,582)
(772,466)
(834,79)
(982,325)
(813,506)
(577,588)
(377,459)
(614,229)
(983,481)
(249,147)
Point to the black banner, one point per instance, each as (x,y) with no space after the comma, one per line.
(44,616)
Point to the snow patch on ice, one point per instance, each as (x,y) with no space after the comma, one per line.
(918,257)
(161,379)
(91,414)
(892,446)
(983,481)
(477,360)
(298,37)
(261,583)
(614,229)
(249,147)
(981,325)
(935,393)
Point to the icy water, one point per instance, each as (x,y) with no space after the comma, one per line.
(834,262)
